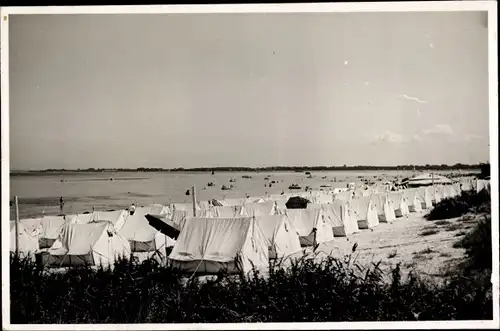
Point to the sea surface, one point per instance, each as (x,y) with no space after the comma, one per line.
(39,194)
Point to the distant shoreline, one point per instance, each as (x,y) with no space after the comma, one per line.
(427,167)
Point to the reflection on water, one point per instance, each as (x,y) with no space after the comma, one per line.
(83,191)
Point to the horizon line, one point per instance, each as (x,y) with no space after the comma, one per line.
(279,167)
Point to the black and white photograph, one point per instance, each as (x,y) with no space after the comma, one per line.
(170,165)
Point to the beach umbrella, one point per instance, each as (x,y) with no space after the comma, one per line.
(297,203)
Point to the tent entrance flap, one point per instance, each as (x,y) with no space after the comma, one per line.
(142,246)
(164,225)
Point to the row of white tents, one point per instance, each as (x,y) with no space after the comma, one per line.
(234,233)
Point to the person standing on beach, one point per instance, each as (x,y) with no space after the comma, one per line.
(131,209)
(61,204)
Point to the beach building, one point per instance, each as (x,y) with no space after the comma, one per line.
(311,225)
(282,239)
(365,212)
(95,243)
(384,207)
(207,245)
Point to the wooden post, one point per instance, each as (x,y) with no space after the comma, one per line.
(433,187)
(193,193)
(16,205)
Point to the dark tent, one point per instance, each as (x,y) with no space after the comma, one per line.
(297,203)
(164,225)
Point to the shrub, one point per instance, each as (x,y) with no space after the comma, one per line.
(467,201)
(477,244)
(308,290)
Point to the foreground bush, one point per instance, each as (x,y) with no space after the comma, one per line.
(466,202)
(477,244)
(332,290)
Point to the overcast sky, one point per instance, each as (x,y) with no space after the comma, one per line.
(248,89)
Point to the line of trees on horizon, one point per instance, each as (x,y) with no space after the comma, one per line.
(457,166)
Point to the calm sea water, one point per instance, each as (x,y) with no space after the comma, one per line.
(40,194)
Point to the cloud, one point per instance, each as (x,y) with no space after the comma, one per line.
(412,98)
(388,137)
(472,136)
(417,137)
(439,129)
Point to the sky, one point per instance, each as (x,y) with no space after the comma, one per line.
(194,90)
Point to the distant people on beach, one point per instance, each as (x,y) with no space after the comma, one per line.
(131,209)
(61,204)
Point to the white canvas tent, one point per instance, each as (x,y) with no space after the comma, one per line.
(425,197)
(384,207)
(144,238)
(207,245)
(28,243)
(223,212)
(399,202)
(483,184)
(310,225)
(117,217)
(259,209)
(282,238)
(94,244)
(344,195)
(413,200)
(341,218)
(51,227)
(365,212)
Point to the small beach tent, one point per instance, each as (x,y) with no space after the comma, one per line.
(259,209)
(341,218)
(310,224)
(224,212)
(344,195)
(440,194)
(51,229)
(457,187)
(204,205)
(449,191)
(28,243)
(117,217)
(483,184)
(207,245)
(233,202)
(384,207)
(144,238)
(95,243)
(178,217)
(399,202)
(282,238)
(413,200)
(425,197)
(365,212)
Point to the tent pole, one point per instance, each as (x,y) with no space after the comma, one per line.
(193,189)
(16,203)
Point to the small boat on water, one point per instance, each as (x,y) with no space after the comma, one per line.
(210,184)
(294,187)
(224,188)
(246,176)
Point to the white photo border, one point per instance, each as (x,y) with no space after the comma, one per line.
(417,6)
